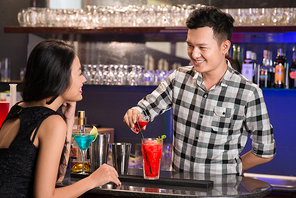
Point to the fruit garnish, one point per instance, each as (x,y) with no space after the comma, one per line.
(161,138)
(94,131)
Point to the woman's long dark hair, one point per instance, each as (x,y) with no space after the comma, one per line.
(48,70)
(48,74)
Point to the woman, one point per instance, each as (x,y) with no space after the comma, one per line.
(35,139)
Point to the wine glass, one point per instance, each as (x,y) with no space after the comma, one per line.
(142,121)
(83,141)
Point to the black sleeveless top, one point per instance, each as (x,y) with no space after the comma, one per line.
(18,162)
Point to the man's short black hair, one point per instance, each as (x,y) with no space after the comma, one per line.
(210,16)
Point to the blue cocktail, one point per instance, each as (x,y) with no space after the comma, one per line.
(83,141)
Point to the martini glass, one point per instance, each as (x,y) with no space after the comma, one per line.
(83,141)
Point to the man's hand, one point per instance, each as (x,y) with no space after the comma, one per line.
(131,117)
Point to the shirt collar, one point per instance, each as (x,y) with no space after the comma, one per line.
(223,82)
(228,74)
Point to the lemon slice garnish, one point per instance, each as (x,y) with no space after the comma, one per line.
(94,131)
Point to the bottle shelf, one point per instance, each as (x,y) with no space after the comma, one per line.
(6,84)
(98,30)
(140,30)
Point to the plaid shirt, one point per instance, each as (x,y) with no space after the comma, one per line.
(211,128)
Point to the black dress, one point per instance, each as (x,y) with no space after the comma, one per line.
(18,162)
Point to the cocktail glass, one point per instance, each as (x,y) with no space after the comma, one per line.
(142,120)
(152,150)
(83,141)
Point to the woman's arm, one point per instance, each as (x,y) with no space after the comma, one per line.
(68,110)
(51,139)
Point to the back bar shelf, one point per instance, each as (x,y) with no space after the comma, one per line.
(139,30)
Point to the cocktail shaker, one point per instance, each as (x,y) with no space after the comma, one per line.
(120,157)
(99,151)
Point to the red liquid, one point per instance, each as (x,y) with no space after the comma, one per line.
(155,190)
(4,108)
(141,123)
(153,152)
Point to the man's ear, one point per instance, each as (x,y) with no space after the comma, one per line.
(225,46)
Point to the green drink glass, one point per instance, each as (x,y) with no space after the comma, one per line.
(83,141)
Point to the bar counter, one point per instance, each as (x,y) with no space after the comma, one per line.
(199,185)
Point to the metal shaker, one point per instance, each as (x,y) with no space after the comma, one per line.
(120,156)
(99,151)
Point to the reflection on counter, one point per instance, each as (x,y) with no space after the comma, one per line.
(135,185)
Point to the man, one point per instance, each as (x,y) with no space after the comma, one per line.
(214,107)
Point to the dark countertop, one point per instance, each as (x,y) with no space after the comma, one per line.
(223,186)
(279,183)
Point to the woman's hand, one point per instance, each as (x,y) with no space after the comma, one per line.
(68,110)
(103,175)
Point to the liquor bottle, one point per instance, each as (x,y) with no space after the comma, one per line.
(271,68)
(292,71)
(81,122)
(240,55)
(255,69)
(248,66)
(76,158)
(75,155)
(280,65)
(266,74)
(235,59)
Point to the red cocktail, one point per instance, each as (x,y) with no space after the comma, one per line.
(152,150)
(142,120)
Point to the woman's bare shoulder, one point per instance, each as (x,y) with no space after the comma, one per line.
(54,125)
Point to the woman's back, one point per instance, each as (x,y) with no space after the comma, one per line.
(18,157)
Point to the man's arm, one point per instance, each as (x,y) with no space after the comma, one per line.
(250,160)
(261,132)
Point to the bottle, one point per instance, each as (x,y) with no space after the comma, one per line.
(235,59)
(76,158)
(266,74)
(255,68)
(280,65)
(248,67)
(292,71)
(81,122)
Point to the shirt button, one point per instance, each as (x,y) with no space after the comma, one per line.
(205,95)
(201,116)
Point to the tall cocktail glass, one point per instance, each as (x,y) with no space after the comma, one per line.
(152,150)
(83,141)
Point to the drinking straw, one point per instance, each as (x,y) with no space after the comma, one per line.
(144,148)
